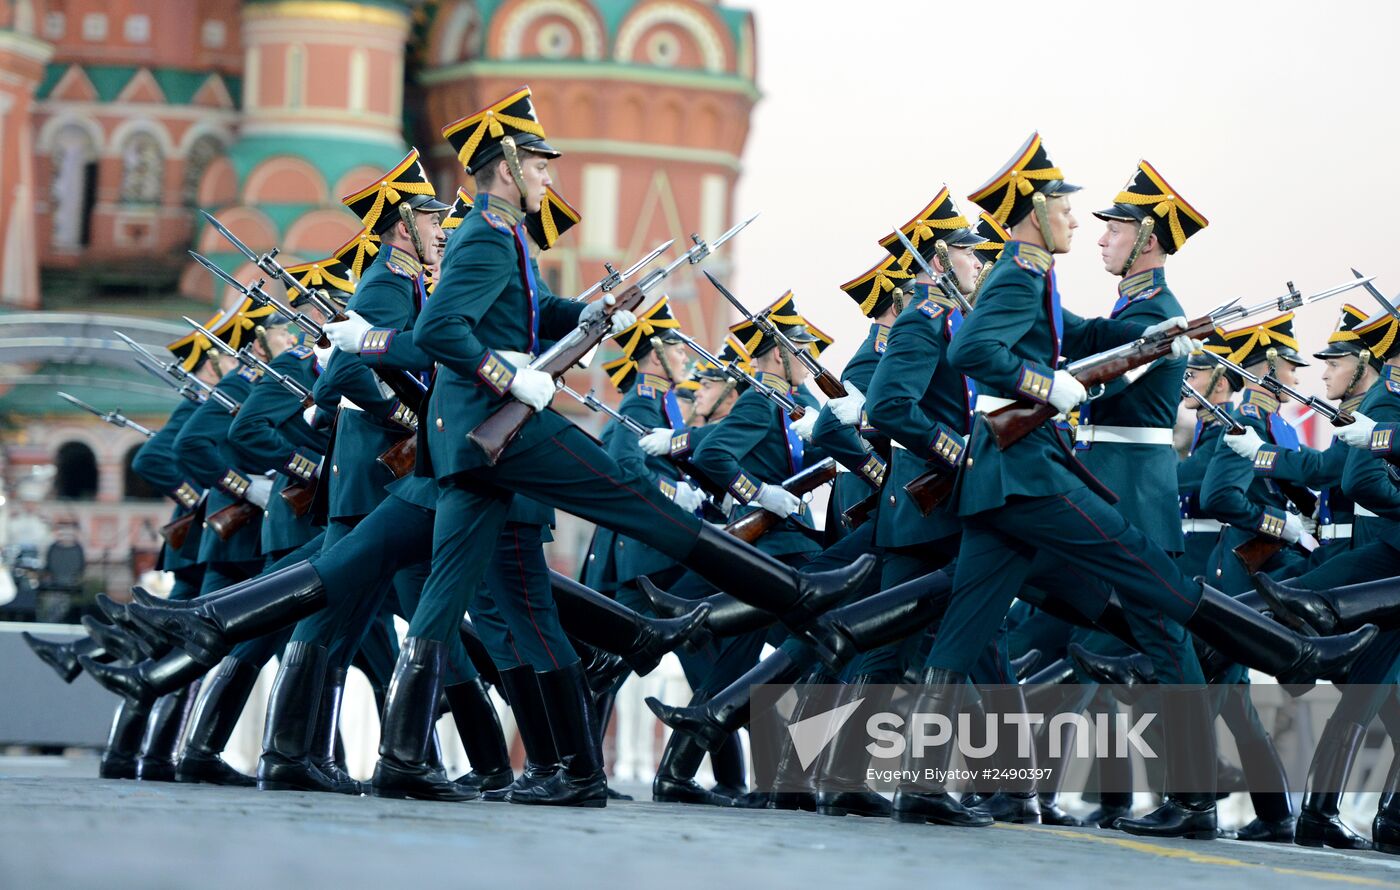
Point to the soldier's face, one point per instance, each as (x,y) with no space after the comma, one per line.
(1062,222)
(676,355)
(1116,243)
(706,396)
(1338,374)
(536,170)
(1198,379)
(279,340)
(966,265)
(430,231)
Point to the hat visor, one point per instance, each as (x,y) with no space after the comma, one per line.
(1120,213)
(1335,350)
(1056,187)
(964,237)
(1295,359)
(798,334)
(431,205)
(539,147)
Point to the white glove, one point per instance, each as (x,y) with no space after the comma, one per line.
(534,388)
(1246,444)
(688,497)
(309,415)
(621,319)
(656,443)
(847,408)
(1358,434)
(323,355)
(1310,526)
(1292,528)
(776,499)
(1182,345)
(1066,392)
(347,335)
(803,425)
(259,490)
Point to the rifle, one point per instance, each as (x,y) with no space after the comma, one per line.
(178,377)
(115,417)
(1232,426)
(1278,388)
(637,428)
(825,380)
(248,358)
(752,526)
(231,519)
(407,388)
(614,277)
(1388,305)
(178,529)
(859,513)
(1012,423)
(732,370)
(946,281)
(494,433)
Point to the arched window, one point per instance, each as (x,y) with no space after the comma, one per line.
(134,485)
(201,154)
(76,477)
(73,191)
(143,169)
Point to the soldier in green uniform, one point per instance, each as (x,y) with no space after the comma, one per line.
(1034,496)
(272,433)
(485,319)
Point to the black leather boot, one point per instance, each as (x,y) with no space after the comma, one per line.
(216,711)
(675,776)
(478,653)
(607,624)
(1054,752)
(62,657)
(1332,611)
(114,641)
(728,617)
(1188,811)
(244,611)
(1016,801)
(1027,664)
(404,770)
(151,642)
(479,727)
(124,741)
(1320,823)
(580,780)
(730,768)
(160,749)
(887,617)
(324,754)
(293,714)
(712,722)
(758,579)
(1385,828)
(841,787)
(522,692)
(145,682)
(929,801)
(1254,640)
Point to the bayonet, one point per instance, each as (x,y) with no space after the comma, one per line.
(178,376)
(115,417)
(246,356)
(828,382)
(1375,292)
(1232,426)
(946,281)
(732,370)
(614,277)
(1337,416)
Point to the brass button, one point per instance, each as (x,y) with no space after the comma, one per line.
(439,424)
(335,468)
(969,462)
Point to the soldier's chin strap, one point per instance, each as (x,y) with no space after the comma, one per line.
(406,214)
(729,387)
(260,334)
(1041,206)
(213,359)
(940,249)
(517,173)
(981,277)
(656,344)
(1139,244)
(1364,359)
(897,298)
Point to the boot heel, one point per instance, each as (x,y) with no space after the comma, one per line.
(833,811)
(909,818)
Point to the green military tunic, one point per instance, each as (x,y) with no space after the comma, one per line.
(754,444)
(1365,477)
(923,404)
(1113,427)
(155,462)
(1200,532)
(270,435)
(860,451)
(207,457)
(1246,501)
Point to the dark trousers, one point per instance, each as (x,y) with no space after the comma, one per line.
(1079,527)
(514,610)
(562,468)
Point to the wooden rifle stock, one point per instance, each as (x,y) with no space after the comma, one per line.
(830,386)
(1257,551)
(1014,422)
(401,457)
(299,496)
(494,433)
(931,488)
(859,513)
(177,530)
(230,520)
(752,526)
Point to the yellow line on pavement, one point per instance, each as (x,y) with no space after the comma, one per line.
(1200,858)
